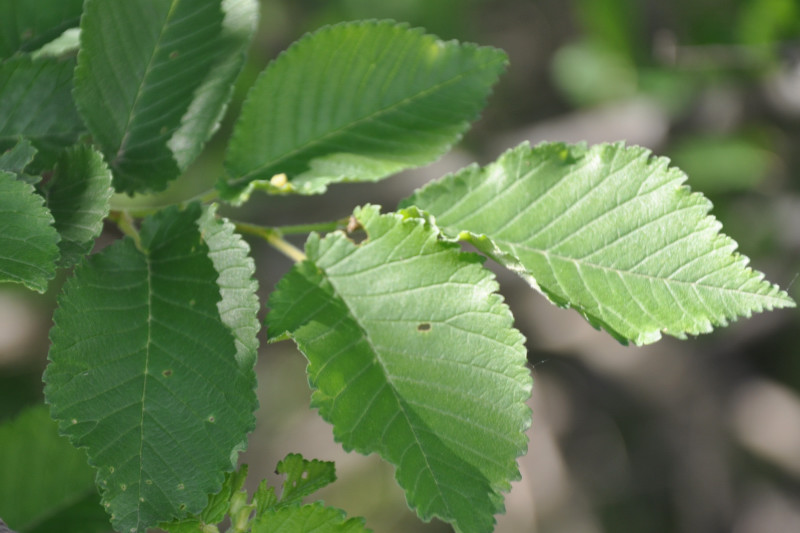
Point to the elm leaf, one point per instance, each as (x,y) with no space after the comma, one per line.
(610,231)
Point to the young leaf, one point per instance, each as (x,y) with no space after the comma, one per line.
(315,517)
(412,354)
(303,477)
(28,240)
(78,196)
(356,102)
(43,477)
(35,102)
(139,67)
(609,231)
(143,373)
(26,25)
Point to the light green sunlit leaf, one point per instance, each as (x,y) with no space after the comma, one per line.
(141,65)
(43,478)
(144,373)
(78,197)
(356,102)
(27,25)
(28,240)
(16,158)
(412,355)
(608,230)
(36,101)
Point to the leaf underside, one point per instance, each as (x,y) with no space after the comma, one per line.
(412,355)
(356,102)
(144,375)
(609,231)
(140,67)
(28,240)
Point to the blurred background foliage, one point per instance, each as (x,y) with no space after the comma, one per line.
(688,436)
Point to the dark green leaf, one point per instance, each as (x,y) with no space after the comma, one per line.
(78,197)
(140,66)
(36,101)
(412,354)
(26,25)
(28,240)
(356,102)
(144,374)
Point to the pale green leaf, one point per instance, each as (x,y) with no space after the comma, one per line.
(609,231)
(412,355)
(67,43)
(26,25)
(43,477)
(356,102)
(239,305)
(28,240)
(143,373)
(314,518)
(36,101)
(78,197)
(140,64)
(303,477)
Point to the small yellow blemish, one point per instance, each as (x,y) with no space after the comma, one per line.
(74,421)
(124,487)
(148,481)
(212,419)
(180,486)
(111,469)
(279,180)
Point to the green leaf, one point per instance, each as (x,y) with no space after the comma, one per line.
(36,101)
(26,25)
(609,231)
(314,518)
(78,197)
(303,477)
(44,478)
(412,354)
(140,66)
(143,373)
(239,305)
(211,97)
(18,157)
(28,240)
(356,102)
(67,43)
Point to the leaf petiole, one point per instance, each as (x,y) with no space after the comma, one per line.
(124,222)
(274,237)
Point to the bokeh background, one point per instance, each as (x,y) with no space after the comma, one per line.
(701,435)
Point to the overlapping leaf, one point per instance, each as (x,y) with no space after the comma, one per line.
(144,373)
(44,478)
(153,78)
(608,230)
(356,102)
(36,101)
(28,240)
(78,197)
(26,25)
(412,355)
(17,158)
